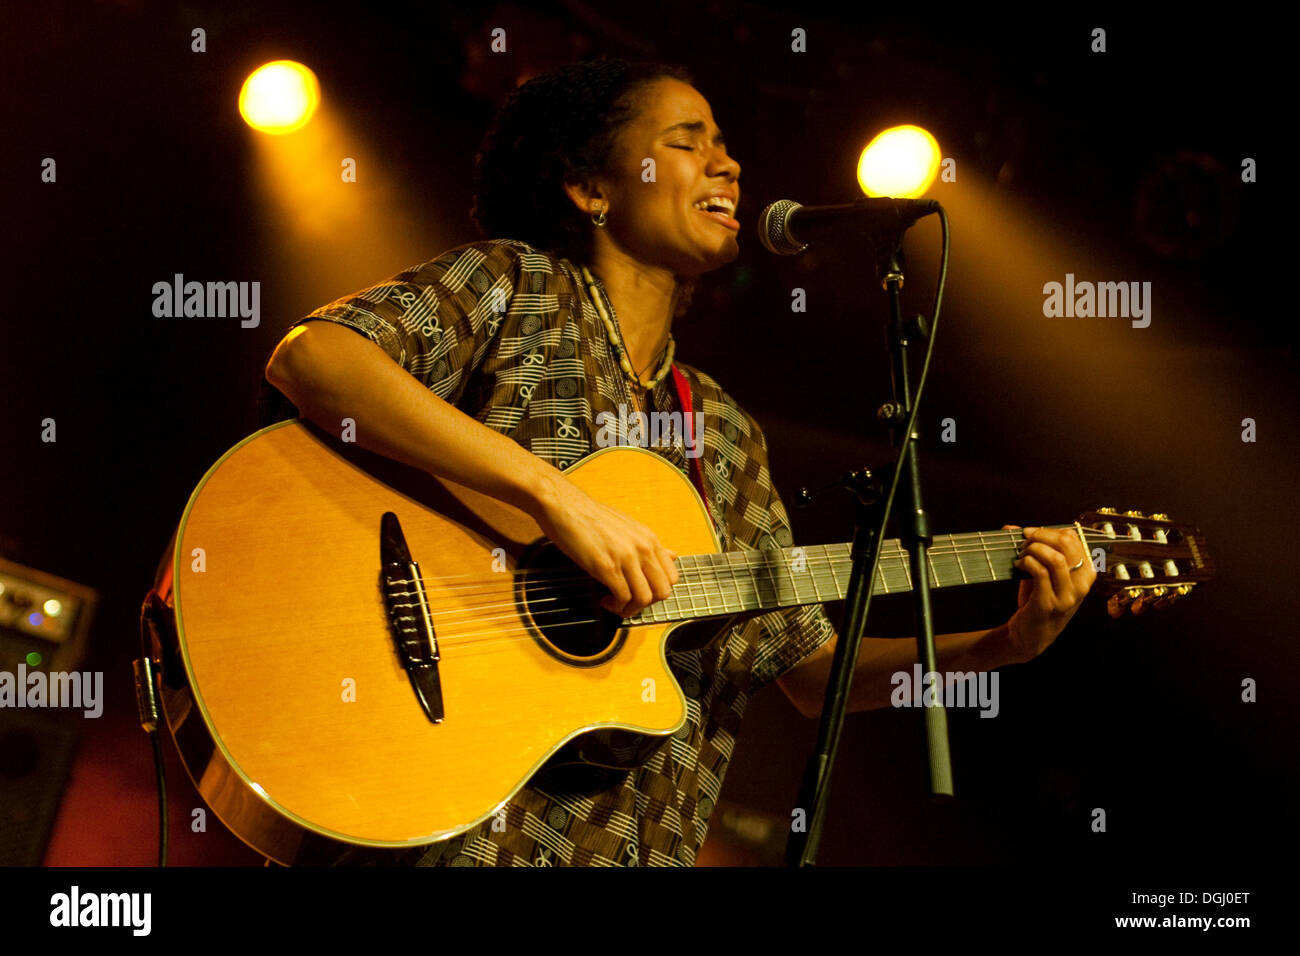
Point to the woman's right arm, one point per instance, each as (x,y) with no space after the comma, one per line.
(332,372)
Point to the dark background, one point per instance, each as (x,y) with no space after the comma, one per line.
(1123,165)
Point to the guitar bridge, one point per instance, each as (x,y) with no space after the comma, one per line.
(409,619)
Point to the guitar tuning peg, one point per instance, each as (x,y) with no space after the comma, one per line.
(1115,605)
(1138,599)
(1134,514)
(1160,516)
(1107,511)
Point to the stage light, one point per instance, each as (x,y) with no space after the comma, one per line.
(279,98)
(901,162)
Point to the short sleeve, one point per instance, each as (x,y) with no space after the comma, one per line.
(438,319)
(786,637)
(783,638)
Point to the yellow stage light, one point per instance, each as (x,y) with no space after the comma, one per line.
(279,97)
(900,162)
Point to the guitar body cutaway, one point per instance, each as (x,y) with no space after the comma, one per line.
(297,721)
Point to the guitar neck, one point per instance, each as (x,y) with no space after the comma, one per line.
(720,585)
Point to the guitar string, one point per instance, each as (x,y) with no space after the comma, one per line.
(761,560)
(817,570)
(728,568)
(764,559)
(472,641)
(493,636)
(811,579)
(697,577)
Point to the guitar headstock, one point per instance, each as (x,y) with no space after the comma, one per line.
(1149,560)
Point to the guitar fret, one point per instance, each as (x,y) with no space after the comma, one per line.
(889,566)
(754,599)
(731,557)
(727,583)
(945,576)
(835,578)
(753,580)
(694,575)
(730,582)
(648,613)
(710,591)
(707,588)
(993,575)
(957,553)
(662,610)
(721,565)
(813,567)
(771,573)
(796,577)
(899,567)
(675,596)
(817,591)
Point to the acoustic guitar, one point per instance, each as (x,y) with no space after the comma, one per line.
(367,656)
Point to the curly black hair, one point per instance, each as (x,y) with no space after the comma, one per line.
(558,127)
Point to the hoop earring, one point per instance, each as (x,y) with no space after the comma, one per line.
(602,218)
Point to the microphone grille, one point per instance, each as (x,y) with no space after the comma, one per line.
(772,229)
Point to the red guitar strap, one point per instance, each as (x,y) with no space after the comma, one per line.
(697,471)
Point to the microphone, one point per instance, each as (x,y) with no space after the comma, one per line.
(784,227)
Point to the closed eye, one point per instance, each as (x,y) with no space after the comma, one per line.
(690,148)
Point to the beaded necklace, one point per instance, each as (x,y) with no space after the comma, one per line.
(616,337)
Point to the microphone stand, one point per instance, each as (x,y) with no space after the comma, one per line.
(870,518)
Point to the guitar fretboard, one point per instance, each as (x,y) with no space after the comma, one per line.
(720,585)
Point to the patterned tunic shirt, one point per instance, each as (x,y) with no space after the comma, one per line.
(509,335)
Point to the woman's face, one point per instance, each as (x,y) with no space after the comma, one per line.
(655,219)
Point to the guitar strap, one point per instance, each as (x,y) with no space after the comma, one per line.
(697,471)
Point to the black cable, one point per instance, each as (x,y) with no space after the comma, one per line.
(162,797)
(146,686)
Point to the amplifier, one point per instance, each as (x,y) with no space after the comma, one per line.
(44,616)
(44,628)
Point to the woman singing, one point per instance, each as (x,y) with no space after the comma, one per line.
(605,190)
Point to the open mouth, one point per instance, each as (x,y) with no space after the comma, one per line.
(720,210)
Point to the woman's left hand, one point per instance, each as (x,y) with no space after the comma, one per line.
(1053,592)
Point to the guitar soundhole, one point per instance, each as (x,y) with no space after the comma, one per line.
(562,604)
